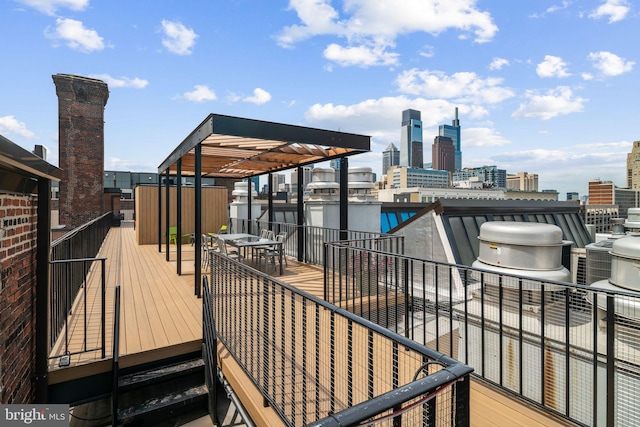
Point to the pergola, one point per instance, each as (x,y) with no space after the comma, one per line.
(239,148)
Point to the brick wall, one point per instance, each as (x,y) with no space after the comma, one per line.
(18,220)
(81,103)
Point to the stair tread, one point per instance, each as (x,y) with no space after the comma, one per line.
(159,374)
(162,402)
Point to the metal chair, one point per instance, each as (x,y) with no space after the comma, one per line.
(222,245)
(272,252)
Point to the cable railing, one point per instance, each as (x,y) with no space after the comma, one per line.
(314,362)
(73,261)
(571,349)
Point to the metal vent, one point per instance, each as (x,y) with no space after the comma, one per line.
(598,261)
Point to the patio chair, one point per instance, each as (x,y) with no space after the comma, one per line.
(206,244)
(234,254)
(173,236)
(272,252)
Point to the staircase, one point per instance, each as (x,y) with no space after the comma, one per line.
(163,394)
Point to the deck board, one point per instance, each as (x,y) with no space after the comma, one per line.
(161,317)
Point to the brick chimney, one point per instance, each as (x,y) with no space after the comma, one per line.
(81,102)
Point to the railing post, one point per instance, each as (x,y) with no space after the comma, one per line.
(115,358)
(407,332)
(462,396)
(611,357)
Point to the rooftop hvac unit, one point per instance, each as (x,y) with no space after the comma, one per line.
(598,260)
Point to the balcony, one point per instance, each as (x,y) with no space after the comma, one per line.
(161,318)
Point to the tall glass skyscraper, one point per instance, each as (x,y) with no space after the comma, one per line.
(411,139)
(453,131)
(390,157)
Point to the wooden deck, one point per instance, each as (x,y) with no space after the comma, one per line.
(161,317)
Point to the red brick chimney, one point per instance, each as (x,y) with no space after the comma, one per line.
(81,102)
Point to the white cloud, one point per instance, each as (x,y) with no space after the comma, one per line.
(177,38)
(426,51)
(498,64)
(76,36)
(482,137)
(558,101)
(260,96)
(375,25)
(363,56)
(610,64)
(381,118)
(135,82)
(462,86)
(200,93)
(9,125)
(616,10)
(50,7)
(118,164)
(552,9)
(552,66)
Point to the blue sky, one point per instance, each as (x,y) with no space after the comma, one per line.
(547,87)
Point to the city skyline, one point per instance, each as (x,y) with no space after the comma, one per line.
(543,87)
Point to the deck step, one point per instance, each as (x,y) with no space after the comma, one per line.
(166,404)
(156,375)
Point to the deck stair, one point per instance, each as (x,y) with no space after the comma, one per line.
(161,393)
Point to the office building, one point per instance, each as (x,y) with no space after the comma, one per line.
(453,131)
(522,181)
(443,154)
(276,180)
(403,177)
(605,193)
(491,176)
(411,151)
(390,157)
(633,167)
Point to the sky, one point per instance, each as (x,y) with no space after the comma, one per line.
(545,87)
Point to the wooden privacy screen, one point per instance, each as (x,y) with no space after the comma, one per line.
(215,211)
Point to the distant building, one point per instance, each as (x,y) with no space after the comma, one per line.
(573,195)
(453,131)
(276,180)
(606,193)
(128,181)
(522,181)
(633,167)
(307,174)
(491,176)
(430,195)
(390,157)
(403,177)
(411,150)
(443,154)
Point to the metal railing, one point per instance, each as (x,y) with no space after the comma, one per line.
(72,260)
(210,350)
(314,238)
(571,349)
(115,362)
(316,363)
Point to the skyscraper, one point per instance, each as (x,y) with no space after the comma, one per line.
(443,154)
(411,139)
(633,167)
(390,157)
(453,132)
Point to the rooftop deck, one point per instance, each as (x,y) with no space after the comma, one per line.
(161,317)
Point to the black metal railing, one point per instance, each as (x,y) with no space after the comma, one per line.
(572,349)
(72,261)
(115,362)
(210,350)
(312,360)
(314,238)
